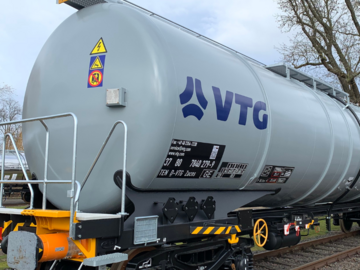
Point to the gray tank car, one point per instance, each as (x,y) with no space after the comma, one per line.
(199,117)
(212,134)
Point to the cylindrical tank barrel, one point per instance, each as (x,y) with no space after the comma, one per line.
(199,116)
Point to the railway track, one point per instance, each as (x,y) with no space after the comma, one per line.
(14,202)
(310,255)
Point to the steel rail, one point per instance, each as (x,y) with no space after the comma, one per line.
(305,245)
(15,204)
(329,260)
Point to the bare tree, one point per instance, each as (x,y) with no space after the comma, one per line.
(5,91)
(10,110)
(326,38)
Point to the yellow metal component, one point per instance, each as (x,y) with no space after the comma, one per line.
(215,230)
(260,237)
(87,247)
(307,226)
(7,224)
(22,224)
(233,239)
(46,213)
(49,221)
(61,1)
(17,226)
(208,230)
(220,230)
(197,230)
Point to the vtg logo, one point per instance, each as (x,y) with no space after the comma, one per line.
(222,108)
(185,97)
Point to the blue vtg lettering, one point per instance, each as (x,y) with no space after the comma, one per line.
(223,106)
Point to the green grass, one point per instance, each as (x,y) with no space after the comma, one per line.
(3,264)
(18,206)
(312,233)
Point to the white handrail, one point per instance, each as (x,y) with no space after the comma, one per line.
(124,166)
(8,135)
(45,181)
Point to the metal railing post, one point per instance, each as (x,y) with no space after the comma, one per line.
(46,163)
(74,197)
(22,168)
(123,193)
(77,195)
(124,165)
(73,177)
(2,171)
(45,181)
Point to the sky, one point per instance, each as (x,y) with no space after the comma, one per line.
(249,27)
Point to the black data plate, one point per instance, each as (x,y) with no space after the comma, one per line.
(189,159)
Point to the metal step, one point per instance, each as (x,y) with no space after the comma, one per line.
(94,216)
(106,259)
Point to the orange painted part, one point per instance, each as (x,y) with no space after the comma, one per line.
(56,246)
(49,221)
(88,247)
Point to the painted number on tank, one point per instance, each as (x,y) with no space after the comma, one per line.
(223,104)
(167,161)
(178,162)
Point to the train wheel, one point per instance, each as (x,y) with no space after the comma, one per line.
(261,232)
(345,225)
(131,254)
(26,197)
(242,262)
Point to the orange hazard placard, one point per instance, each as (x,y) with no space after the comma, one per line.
(95,78)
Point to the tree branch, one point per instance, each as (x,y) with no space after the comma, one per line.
(353,15)
(308,64)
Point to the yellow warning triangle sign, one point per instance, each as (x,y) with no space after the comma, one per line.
(40,250)
(99,47)
(97,64)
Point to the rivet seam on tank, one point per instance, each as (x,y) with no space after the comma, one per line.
(223,108)
(97,65)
